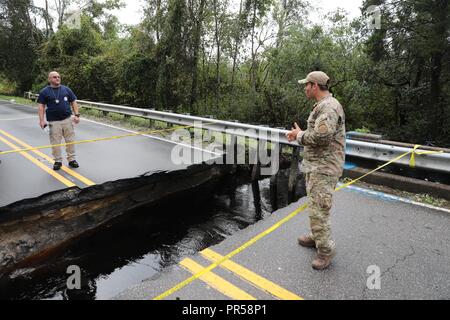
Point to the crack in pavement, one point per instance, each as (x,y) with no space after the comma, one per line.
(398,261)
(389,269)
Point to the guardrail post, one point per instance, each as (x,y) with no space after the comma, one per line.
(275,178)
(256,170)
(167,124)
(293,170)
(234,145)
(274,191)
(224,148)
(105,113)
(235,151)
(206,131)
(127,116)
(257,200)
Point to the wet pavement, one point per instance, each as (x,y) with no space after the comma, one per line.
(31,175)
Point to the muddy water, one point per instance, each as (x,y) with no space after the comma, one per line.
(145,241)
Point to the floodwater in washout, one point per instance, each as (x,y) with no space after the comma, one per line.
(143,242)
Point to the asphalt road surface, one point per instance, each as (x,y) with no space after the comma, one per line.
(407,243)
(29,175)
(387,249)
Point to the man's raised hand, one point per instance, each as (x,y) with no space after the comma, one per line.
(293,134)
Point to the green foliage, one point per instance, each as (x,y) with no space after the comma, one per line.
(19,41)
(408,71)
(362,130)
(6,87)
(426,198)
(242,60)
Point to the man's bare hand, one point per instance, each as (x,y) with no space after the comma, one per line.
(43,124)
(76,120)
(292,135)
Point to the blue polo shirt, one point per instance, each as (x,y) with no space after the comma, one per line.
(57,111)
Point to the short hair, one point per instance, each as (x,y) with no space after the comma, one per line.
(321,86)
(54,71)
(325,87)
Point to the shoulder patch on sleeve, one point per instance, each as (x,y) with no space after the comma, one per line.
(323,128)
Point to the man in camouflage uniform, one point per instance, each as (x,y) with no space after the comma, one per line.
(323,163)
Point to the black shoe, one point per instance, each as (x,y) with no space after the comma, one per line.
(57,166)
(74,164)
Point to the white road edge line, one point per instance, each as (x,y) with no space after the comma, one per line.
(17,119)
(4,102)
(394,198)
(154,137)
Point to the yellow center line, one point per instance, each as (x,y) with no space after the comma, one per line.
(217,282)
(57,176)
(74,174)
(250,276)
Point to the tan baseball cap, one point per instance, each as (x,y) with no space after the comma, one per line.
(318,77)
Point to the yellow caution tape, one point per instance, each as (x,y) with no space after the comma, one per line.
(231,255)
(413,152)
(98,139)
(267,232)
(412,162)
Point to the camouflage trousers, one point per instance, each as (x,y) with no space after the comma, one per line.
(60,130)
(320,188)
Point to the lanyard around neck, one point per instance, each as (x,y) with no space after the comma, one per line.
(59,91)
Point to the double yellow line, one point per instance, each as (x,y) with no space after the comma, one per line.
(221,262)
(216,282)
(250,276)
(21,144)
(243,273)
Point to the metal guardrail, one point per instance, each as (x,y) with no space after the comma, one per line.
(234,128)
(384,153)
(361,149)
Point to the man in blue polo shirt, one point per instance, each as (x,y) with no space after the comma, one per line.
(55,103)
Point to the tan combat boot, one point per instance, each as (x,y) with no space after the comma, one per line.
(322,261)
(306,241)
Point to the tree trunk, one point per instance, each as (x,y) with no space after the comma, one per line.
(158,20)
(235,54)
(441,21)
(196,49)
(218,45)
(253,65)
(281,25)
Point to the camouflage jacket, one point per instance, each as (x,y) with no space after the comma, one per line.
(324,140)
